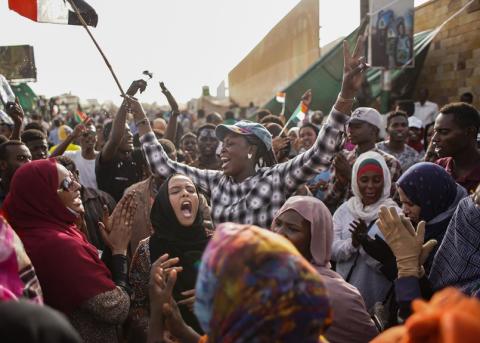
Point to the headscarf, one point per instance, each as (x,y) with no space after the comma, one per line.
(67,266)
(449,317)
(186,243)
(321,226)
(254,286)
(429,186)
(366,161)
(26,322)
(11,287)
(457,262)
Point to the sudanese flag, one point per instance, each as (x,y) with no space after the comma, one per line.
(54,11)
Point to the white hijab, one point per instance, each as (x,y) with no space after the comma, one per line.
(355,205)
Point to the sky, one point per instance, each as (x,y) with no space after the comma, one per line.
(185,43)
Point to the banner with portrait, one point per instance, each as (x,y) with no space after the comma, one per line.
(391,34)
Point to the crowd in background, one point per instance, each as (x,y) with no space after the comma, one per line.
(352,226)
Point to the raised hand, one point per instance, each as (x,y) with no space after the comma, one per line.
(137,85)
(353,67)
(307,98)
(15,111)
(171,100)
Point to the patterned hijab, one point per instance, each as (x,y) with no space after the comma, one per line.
(457,262)
(254,286)
(367,161)
(11,287)
(429,186)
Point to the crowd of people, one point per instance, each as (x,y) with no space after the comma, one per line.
(212,229)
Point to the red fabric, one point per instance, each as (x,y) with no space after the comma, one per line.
(26,8)
(418,145)
(68,267)
(469,181)
(369,168)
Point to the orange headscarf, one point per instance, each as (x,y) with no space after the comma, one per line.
(449,317)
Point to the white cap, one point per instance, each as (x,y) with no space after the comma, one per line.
(368,115)
(415,122)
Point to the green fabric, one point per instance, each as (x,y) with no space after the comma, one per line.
(324,78)
(26,96)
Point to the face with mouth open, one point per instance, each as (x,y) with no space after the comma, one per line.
(183,197)
(370,185)
(69,190)
(234,156)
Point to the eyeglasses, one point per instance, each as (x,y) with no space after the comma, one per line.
(67,184)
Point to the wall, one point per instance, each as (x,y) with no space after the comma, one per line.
(282,55)
(452,66)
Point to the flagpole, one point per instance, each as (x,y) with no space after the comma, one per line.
(84,24)
(286,125)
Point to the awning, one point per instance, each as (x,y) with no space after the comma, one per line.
(324,78)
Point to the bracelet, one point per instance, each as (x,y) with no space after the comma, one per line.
(142,121)
(340,99)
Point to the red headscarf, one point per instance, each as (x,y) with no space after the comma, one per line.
(68,267)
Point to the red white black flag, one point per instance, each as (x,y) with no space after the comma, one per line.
(54,11)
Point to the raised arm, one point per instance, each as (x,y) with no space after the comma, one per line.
(303,167)
(119,123)
(60,149)
(171,131)
(159,161)
(15,111)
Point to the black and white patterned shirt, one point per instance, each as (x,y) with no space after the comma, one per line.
(256,199)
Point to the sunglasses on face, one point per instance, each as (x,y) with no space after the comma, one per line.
(67,184)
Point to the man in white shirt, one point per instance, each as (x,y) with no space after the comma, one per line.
(85,158)
(425,110)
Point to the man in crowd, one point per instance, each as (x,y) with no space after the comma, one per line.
(398,134)
(13,155)
(455,141)
(84,159)
(36,142)
(363,129)
(229,118)
(425,110)
(207,147)
(415,132)
(189,147)
(114,166)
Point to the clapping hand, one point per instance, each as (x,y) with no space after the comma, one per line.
(406,243)
(358,230)
(116,230)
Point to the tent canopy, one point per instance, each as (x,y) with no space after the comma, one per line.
(324,78)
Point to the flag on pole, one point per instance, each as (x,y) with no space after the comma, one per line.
(299,113)
(281,97)
(80,116)
(54,11)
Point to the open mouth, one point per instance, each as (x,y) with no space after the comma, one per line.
(186,209)
(225,162)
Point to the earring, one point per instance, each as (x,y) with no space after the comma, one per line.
(249,156)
